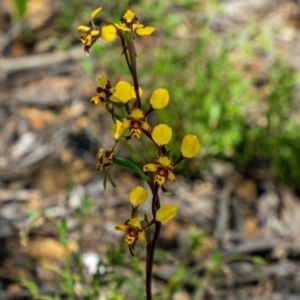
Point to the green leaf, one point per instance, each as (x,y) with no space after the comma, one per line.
(20,6)
(33,214)
(216,257)
(54,269)
(258,261)
(116,104)
(175,282)
(111,180)
(31,286)
(216,261)
(129,165)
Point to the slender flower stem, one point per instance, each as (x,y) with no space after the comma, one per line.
(151,247)
(126,53)
(131,63)
(136,120)
(120,34)
(148,134)
(132,56)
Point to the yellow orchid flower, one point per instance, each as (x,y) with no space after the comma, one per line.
(163,168)
(130,22)
(134,231)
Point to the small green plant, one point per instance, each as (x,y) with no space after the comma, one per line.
(20,6)
(123,101)
(196,237)
(273,140)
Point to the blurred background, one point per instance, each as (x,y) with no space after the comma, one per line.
(232,70)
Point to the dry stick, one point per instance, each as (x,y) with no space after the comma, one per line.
(151,248)
(24,63)
(19,195)
(223,214)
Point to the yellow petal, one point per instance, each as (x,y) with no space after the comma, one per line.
(108,33)
(190,146)
(102,82)
(95,100)
(171,176)
(136,114)
(100,153)
(164,161)
(126,124)
(122,92)
(95,12)
(160,98)
(160,180)
(122,27)
(145,31)
(138,195)
(142,238)
(95,32)
(86,40)
(146,126)
(135,223)
(115,99)
(129,239)
(135,133)
(117,129)
(166,213)
(150,168)
(129,16)
(83,28)
(161,134)
(122,227)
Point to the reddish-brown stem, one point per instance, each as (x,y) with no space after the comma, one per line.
(151,247)
(126,54)
(133,211)
(149,224)
(127,107)
(163,148)
(149,111)
(179,160)
(132,56)
(121,35)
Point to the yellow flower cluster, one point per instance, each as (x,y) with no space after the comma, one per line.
(123,102)
(128,23)
(133,227)
(93,33)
